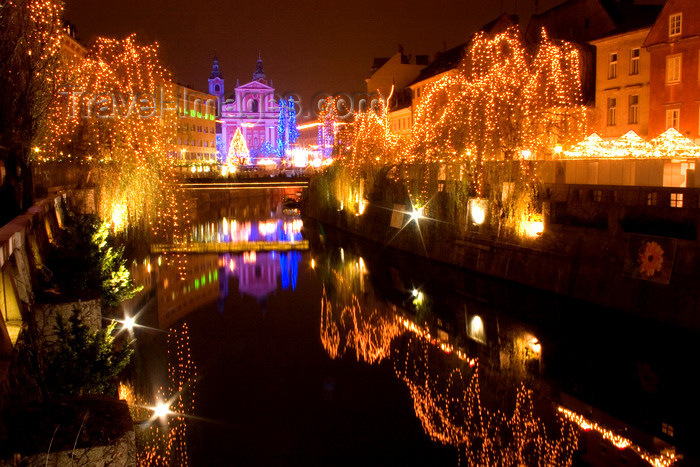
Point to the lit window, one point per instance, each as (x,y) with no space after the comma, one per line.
(633,112)
(667,429)
(673,69)
(634,61)
(612,66)
(676,200)
(672,118)
(612,111)
(652,199)
(597,196)
(674,24)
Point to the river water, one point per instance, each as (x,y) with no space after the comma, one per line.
(321,349)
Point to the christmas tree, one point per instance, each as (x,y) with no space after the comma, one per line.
(292,132)
(238,150)
(281,128)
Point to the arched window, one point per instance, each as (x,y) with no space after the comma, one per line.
(216,88)
(254,106)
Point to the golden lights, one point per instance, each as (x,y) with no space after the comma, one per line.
(508,101)
(668,145)
(443,383)
(657,460)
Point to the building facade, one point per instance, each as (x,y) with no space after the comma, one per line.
(252,108)
(622,84)
(398,71)
(195,141)
(402,108)
(71,49)
(674,48)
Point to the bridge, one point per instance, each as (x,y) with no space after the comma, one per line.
(253,183)
(226,247)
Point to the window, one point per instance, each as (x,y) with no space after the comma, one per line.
(254,106)
(612,111)
(676,200)
(612,66)
(216,89)
(673,69)
(634,61)
(667,429)
(633,112)
(672,118)
(597,196)
(674,24)
(652,199)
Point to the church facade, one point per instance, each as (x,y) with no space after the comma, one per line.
(251,108)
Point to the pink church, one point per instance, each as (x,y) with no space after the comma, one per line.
(252,108)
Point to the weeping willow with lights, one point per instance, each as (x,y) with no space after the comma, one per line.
(117,119)
(504,101)
(508,102)
(30,43)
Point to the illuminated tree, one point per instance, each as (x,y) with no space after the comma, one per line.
(326,130)
(502,101)
(30,37)
(282,127)
(287,132)
(292,132)
(507,101)
(114,121)
(238,150)
(374,144)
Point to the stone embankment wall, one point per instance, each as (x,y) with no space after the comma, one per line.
(24,244)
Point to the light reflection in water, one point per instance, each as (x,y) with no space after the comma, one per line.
(444,382)
(446,399)
(207,280)
(257,272)
(165,443)
(284,229)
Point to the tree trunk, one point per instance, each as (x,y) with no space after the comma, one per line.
(27,183)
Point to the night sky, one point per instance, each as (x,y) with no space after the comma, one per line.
(307,47)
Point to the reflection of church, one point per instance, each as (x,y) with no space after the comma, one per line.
(252,108)
(257,273)
(257,276)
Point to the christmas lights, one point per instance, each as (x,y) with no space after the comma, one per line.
(668,145)
(238,153)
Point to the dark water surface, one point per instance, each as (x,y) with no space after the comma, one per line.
(350,354)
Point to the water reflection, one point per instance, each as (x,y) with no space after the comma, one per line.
(472,374)
(163,440)
(257,273)
(286,228)
(445,382)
